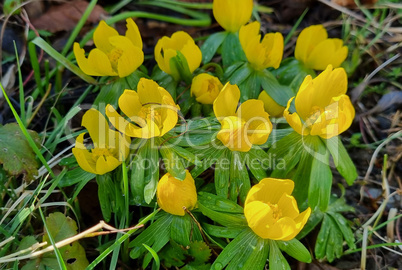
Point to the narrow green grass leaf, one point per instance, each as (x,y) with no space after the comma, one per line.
(38,41)
(154,255)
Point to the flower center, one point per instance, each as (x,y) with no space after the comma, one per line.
(314,116)
(114,57)
(99,152)
(277,213)
(151,112)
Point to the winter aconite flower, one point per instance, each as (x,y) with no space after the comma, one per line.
(168,47)
(173,194)
(114,55)
(270,105)
(271,211)
(205,88)
(322,108)
(232,14)
(261,54)
(317,51)
(150,112)
(109,147)
(244,126)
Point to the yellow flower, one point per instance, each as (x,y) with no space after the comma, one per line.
(206,88)
(109,148)
(317,51)
(261,54)
(151,111)
(271,212)
(115,55)
(173,194)
(166,48)
(270,105)
(322,108)
(242,127)
(232,14)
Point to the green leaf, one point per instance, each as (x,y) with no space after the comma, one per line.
(250,87)
(156,236)
(295,249)
(211,44)
(111,92)
(166,81)
(200,252)
(255,160)
(342,160)
(302,177)
(180,229)
(239,178)
(154,255)
(292,73)
(62,227)
(210,155)
(223,232)
(62,60)
(75,176)
(232,51)
(280,93)
(322,238)
(16,155)
(237,251)
(314,219)
(178,64)
(137,179)
(276,259)
(223,211)
(106,195)
(222,173)
(344,227)
(285,154)
(173,255)
(319,191)
(239,75)
(173,163)
(151,175)
(259,255)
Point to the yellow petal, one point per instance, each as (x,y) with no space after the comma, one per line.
(84,160)
(308,39)
(294,120)
(100,63)
(129,103)
(302,219)
(273,45)
(284,229)
(173,194)
(83,62)
(259,217)
(193,55)
(148,92)
(133,33)
(270,190)
(270,105)
(231,14)
(97,126)
(326,53)
(247,33)
(337,117)
(131,57)
(101,37)
(233,134)
(288,206)
(122,124)
(169,116)
(106,164)
(226,102)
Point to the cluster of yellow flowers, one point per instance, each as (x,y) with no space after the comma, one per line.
(322,108)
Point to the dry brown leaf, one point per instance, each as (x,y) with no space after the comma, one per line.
(65,17)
